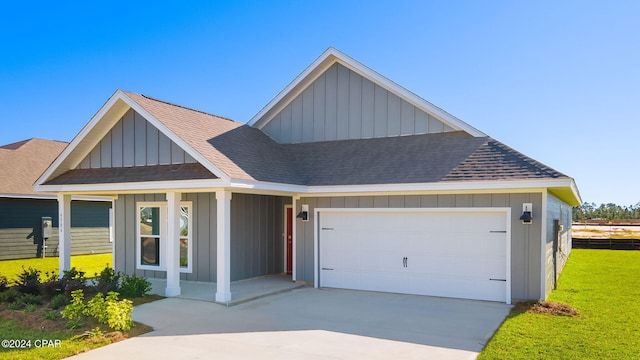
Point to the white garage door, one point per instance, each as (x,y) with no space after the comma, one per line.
(461,254)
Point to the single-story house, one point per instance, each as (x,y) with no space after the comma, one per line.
(22,208)
(345,180)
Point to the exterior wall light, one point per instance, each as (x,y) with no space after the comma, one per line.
(304,213)
(527,209)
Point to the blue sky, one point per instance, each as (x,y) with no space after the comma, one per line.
(556,80)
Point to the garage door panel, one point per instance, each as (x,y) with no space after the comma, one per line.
(451,254)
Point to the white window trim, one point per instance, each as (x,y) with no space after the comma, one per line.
(163,236)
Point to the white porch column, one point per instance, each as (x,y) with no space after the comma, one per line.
(64,232)
(172,248)
(223,240)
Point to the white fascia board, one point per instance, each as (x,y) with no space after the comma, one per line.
(86,130)
(135,186)
(331,56)
(28,196)
(269,186)
(442,186)
(55,197)
(175,138)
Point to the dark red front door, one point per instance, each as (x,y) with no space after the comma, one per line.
(289,240)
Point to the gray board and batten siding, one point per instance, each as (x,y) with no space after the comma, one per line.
(525,239)
(21,234)
(563,213)
(133,141)
(257,227)
(341,104)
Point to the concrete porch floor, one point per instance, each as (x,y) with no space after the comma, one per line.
(241,291)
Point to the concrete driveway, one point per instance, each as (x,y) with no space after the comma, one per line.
(312,323)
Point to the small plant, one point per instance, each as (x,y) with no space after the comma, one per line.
(16,305)
(32,299)
(59,301)
(29,281)
(30,308)
(75,310)
(74,323)
(4,283)
(10,295)
(134,287)
(51,315)
(108,280)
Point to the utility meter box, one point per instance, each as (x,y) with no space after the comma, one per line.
(47,225)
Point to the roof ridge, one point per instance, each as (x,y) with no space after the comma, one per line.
(186,108)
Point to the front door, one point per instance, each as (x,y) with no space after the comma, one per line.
(289,240)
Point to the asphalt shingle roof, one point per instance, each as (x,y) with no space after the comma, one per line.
(246,153)
(21,164)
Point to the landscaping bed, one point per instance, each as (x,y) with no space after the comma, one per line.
(44,316)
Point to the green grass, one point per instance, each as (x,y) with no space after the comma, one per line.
(90,264)
(604,286)
(11,329)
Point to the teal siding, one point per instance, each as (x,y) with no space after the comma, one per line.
(20,228)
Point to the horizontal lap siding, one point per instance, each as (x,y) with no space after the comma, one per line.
(21,234)
(340,104)
(525,239)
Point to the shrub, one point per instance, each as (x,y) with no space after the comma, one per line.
(119,312)
(134,287)
(75,323)
(73,280)
(97,307)
(10,295)
(108,280)
(59,301)
(29,281)
(52,285)
(75,310)
(32,299)
(30,308)
(4,283)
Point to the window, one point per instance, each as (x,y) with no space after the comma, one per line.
(152,235)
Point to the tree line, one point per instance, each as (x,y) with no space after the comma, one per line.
(606,211)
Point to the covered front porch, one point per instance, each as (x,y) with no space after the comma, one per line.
(219,245)
(242,290)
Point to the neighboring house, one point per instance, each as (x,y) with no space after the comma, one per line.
(22,209)
(345,180)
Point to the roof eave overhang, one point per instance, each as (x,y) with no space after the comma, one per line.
(326,60)
(136,187)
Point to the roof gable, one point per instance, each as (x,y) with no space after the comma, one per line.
(323,64)
(168,119)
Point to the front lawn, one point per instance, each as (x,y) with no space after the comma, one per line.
(604,286)
(90,264)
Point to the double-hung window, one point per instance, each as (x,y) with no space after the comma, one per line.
(152,236)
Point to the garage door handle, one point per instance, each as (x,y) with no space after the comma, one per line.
(405,260)
(327,269)
(498,279)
